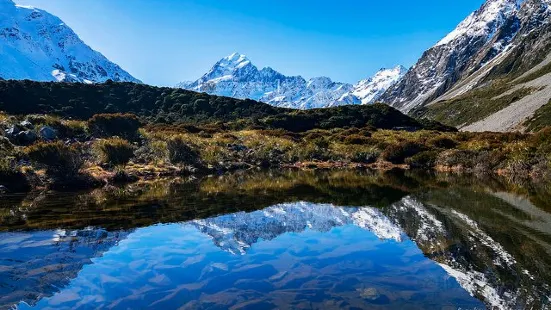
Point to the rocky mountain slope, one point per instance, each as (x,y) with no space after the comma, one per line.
(37,45)
(236,76)
(494,53)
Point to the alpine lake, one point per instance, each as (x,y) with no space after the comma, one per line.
(282,239)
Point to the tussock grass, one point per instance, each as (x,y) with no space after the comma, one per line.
(160,150)
(114,151)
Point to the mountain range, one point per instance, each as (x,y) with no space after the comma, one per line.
(491,73)
(37,45)
(236,76)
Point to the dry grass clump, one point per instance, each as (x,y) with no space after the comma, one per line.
(114,151)
(180,151)
(109,125)
(4,117)
(398,153)
(58,159)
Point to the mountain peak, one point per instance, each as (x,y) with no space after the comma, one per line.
(37,45)
(485,21)
(235,61)
(476,42)
(236,56)
(235,76)
(385,73)
(230,67)
(369,90)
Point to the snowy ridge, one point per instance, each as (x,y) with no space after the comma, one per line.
(485,21)
(369,90)
(235,76)
(237,232)
(37,45)
(480,38)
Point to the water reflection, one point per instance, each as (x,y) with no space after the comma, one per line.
(280,240)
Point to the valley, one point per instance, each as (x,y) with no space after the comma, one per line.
(248,188)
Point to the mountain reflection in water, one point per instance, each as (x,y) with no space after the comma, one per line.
(280,240)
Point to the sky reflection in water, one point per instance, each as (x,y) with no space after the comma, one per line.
(409,246)
(168,266)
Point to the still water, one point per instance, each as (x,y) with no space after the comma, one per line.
(281,240)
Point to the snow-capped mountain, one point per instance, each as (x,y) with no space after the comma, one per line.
(474,53)
(236,76)
(37,45)
(370,90)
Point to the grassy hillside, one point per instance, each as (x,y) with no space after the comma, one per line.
(472,106)
(170,106)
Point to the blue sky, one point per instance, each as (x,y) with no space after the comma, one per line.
(164,42)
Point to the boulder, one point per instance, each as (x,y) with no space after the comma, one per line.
(237,147)
(13,130)
(48,133)
(26,137)
(26,124)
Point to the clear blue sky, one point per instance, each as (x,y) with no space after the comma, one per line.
(164,42)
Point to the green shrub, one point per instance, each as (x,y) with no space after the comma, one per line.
(442,143)
(280,133)
(320,142)
(108,125)
(489,160)
(180,152)
(457,158)
(314,134)
(114,151)
(59,159)
(364,132)
(154,151)
(423,160)
(357,139)
(11,177)
(397,153)
(71,129)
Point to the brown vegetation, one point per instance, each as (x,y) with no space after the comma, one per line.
(176,150)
